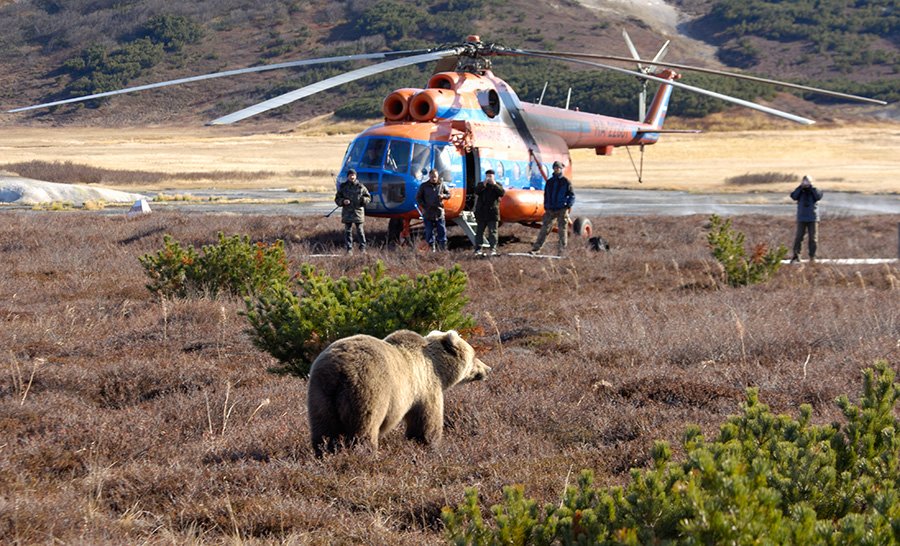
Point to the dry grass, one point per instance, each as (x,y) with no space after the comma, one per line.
(126,419)
(841,158)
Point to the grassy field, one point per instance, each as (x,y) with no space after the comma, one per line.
(128,419)
(842,158)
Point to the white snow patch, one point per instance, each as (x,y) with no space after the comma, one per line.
(25,191)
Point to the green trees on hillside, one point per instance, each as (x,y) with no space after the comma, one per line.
(843,31)
(98,69)
(435,21)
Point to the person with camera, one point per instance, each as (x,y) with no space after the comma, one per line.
(807,197)
(487,212)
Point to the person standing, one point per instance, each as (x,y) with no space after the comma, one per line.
(430,200)
(807,197)
(487,212)
(558,201)
(353,197)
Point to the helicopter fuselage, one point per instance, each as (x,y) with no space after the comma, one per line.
(463,124)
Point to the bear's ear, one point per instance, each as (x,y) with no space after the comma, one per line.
(452,343)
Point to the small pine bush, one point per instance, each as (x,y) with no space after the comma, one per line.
(767,479)
(234,266)
(728,248)
(296,327)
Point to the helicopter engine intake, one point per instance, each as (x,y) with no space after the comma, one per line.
(396,106)
(429,104)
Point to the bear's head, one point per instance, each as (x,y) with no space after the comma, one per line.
(454,359)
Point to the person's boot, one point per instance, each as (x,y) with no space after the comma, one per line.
(795,259)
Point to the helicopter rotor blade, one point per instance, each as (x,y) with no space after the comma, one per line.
(262,68)
(632,49)
(334,81)
(660,55)
(727,98)
(817,90)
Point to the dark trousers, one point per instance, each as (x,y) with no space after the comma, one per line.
(360,235)
(562,223)
(802,229)
(491,226)
(436,232)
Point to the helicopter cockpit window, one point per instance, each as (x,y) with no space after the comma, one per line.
(443,156)
(500,170)
(397,158)
(420,157)
(374,152)
(355,153)
(489,102)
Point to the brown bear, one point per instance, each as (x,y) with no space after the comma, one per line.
(360,387)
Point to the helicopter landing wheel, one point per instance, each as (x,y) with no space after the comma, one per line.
(582,227)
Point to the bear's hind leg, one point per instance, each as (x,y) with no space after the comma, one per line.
(425,421)
(325,427)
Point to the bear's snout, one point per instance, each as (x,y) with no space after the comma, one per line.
(480,370)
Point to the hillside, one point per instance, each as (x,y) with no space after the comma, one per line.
(52,49)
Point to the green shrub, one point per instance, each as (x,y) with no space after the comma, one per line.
(295,327)
(98,69)
(172,31)
(767,479)
(728,248)
(234,266)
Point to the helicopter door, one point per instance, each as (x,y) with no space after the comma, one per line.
(472,177)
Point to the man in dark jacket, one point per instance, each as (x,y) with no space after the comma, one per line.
(558,201)
(353,197)
(807,197)
(430,200)
(487,212)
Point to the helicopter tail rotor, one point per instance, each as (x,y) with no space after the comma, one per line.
(644,69)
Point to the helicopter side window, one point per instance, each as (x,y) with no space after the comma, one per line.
(443,157)
(500,170)
(369,180)
(374,152)
(397,158)
(420,158)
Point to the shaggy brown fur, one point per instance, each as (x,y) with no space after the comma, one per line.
(361,387)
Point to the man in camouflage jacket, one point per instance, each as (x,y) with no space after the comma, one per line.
(353,197)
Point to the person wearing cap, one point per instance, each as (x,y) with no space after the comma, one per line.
(353,197)
(430,200)
(487,212)
(807,197)
(558,201)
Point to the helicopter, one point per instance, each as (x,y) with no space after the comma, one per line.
(466,120)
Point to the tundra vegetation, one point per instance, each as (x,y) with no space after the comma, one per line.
(126,417)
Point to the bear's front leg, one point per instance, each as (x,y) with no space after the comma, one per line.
(425,421)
